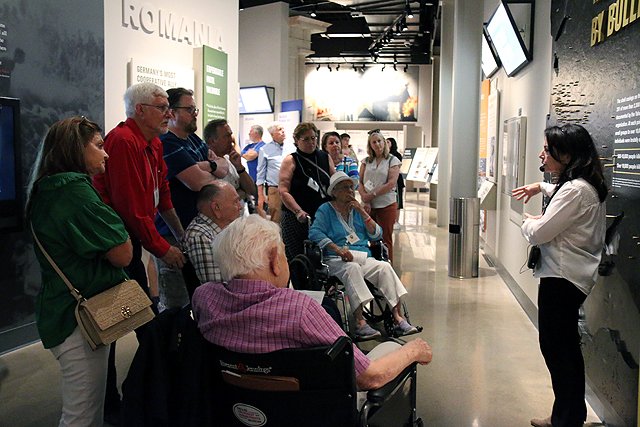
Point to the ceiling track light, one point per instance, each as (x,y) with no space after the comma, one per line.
(354,67)
(383,67)
(318,67)
(313,13)
(407,10)
(363,68)
(338,67)
(329,67)
(406,67)
(395,67)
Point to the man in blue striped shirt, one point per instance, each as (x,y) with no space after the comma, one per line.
(269,161)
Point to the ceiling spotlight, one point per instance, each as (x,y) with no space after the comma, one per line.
(338,67)
(404,26)
(407,10)
(395,67)
(395,60)
(363,68)
(313,13)
(383,67)
(354,67)
(329,67)
(406,67)
(318,67)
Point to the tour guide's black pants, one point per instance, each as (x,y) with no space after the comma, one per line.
(558,304)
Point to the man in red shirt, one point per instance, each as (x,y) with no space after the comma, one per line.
(134,183)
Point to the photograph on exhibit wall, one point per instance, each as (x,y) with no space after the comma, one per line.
(347,95)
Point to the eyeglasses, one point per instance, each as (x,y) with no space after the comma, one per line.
(191,110)
(162,108)
(309,139)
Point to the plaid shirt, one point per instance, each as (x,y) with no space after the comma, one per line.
(253,316)
(197,242)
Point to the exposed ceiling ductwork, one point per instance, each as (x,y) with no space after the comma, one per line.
(369,31)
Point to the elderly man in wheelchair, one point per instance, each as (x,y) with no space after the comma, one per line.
(343,230)
(255,312)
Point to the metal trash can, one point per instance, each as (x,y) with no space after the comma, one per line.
(464,236)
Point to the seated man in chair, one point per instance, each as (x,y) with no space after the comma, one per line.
(343,229)
(253,310)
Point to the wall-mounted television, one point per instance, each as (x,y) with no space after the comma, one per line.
(506,39)
(10,166)
(490,61)
(256,99)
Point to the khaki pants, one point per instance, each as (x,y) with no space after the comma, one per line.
(275,204)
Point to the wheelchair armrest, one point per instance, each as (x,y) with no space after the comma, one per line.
(378,396)
(338,346)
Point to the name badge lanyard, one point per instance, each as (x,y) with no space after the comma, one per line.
(323,191)
(352,237)
(154,177)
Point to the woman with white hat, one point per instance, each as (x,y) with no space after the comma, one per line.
(342,229)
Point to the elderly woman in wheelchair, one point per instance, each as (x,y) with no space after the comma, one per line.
(343,230)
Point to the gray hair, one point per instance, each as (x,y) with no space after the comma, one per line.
(141,93)
(273,128)
(258,129)
(243,246)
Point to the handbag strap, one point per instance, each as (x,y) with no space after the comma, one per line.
(76,293)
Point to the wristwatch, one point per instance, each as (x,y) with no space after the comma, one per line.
(213,165)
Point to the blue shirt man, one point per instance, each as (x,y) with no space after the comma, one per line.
(269,161)
(250,151)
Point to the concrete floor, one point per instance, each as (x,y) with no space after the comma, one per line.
(487,369)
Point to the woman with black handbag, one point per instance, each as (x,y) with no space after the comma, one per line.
(570,234)
(88,242)
(304,179)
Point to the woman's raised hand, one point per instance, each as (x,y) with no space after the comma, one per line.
(526,191)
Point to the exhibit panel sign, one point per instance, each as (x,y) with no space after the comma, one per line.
(214,84)
(165,75)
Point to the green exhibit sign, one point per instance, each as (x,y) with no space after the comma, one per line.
(214,84)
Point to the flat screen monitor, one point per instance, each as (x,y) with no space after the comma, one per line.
(10,161)
(256,99)
(507,41)
(490,62)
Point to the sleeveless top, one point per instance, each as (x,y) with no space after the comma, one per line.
(305,168)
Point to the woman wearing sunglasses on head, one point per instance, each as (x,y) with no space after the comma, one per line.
(378,179)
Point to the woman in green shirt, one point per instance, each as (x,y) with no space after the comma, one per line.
(88,241)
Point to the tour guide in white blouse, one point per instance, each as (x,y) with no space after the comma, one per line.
(570,234)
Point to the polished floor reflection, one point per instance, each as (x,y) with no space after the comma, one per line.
(487,369)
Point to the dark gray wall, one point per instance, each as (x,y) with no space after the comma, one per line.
(593,86)
(62,75)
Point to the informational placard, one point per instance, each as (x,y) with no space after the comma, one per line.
(407,158)
(165,75)
(214,84)
(288,120)
(422,165)
(626,170)
(514,140)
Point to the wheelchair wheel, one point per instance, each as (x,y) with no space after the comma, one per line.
(374,312)
(303,274)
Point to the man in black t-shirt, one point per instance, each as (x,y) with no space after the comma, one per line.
(190,166)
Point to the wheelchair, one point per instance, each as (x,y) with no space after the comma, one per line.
(309,272)
(279,389)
